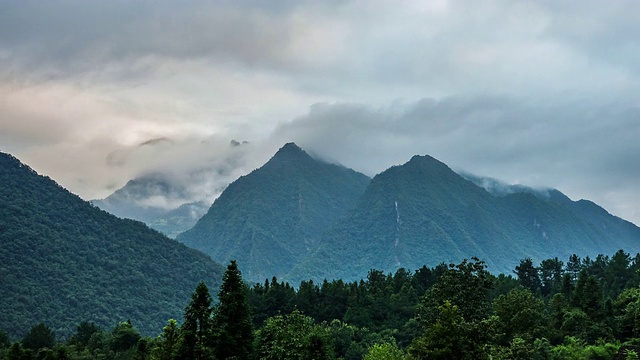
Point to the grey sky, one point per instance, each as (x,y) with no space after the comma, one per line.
(532,92)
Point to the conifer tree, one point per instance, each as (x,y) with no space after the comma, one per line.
(196,330)
(232,319)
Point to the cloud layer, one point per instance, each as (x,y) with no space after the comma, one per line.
(535,92)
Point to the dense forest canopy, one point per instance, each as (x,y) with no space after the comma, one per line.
(63,261)
(581,308)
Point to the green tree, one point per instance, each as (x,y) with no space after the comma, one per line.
(16,352)
(40,336)
(232,318)
(450,337)
(520,315)
(293,337)
(385,351)
(124,337)
(196,331)
(528,275)
(551,273)
(83,334)
(167,342)
(466,286)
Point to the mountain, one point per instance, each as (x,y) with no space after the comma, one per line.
(422,212)
(63,261)
(272,218)
(157,202)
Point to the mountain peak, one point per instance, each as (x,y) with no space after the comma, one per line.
(290,148)
(290,151)
(424,159)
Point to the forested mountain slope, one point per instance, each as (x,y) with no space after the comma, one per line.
(272,218)
(63,261)
(422,212)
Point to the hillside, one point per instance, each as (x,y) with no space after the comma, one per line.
(424,213)
(272,218)
(63,261)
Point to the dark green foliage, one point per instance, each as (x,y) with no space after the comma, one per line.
(124,337)
(520,315)
(454,319)
(232,319)
(4,340)
(40,336)
(450,336)
(197,329)
(528,275)
(167,342)
(83,334)
(66,261)
(294,337)
(466,286)
(272,218)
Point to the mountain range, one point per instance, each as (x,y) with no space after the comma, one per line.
(298,218)
(64,261)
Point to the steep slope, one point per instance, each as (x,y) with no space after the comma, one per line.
(151,199)
(273,217)
(63,261)
(424,213)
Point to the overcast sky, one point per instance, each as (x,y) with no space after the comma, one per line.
(541,93)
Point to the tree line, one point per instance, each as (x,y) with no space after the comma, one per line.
(582,309)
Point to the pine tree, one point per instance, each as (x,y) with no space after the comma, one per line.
(197,327)
(232,319)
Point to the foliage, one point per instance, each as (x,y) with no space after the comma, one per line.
(385,351)
(233,336)
(295,337)
(197,329)
(450,337)
(65,261)
(40,336)
(574,320)
(272,218)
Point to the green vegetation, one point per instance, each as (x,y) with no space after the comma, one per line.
(422,211)
(455,311)
(298,218)
(272,218)
(63,261)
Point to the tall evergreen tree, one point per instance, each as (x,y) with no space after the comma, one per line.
(232,318)
(197,327)
(166,343)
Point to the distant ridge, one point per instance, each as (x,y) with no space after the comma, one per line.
(63,261)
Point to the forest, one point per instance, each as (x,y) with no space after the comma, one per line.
(584,308)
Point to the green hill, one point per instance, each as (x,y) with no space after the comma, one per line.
(272,218)
(424,213)
(63,261)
